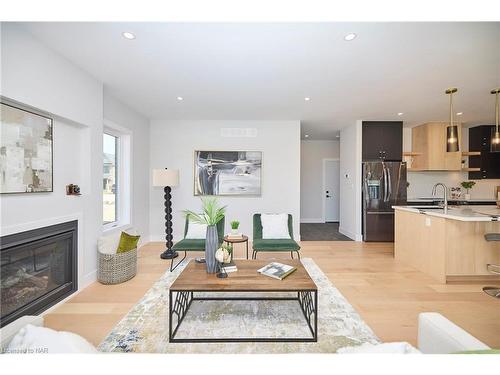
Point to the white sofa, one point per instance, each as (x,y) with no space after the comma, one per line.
(438,335)
(8,332)
(28,335)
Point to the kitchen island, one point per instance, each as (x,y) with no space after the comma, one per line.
(448,245)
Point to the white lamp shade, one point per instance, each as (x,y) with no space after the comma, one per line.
(165,177)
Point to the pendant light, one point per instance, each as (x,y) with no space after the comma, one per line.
(452,141)
(495,137)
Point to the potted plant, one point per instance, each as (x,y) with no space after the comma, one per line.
(235,224)
(212,214)
(467,185)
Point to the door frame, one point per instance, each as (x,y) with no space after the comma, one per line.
(323,185)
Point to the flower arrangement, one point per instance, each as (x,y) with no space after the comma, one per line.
(235,224)
(467,185)
(212,212)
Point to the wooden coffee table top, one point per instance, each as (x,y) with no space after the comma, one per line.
(195,278)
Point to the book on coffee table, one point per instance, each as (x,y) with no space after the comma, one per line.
(229,267)
(276,270)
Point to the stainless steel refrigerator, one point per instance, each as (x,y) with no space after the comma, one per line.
(384,186)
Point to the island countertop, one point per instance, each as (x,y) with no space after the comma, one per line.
(461,213)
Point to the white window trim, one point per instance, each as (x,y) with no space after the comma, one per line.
(124,188)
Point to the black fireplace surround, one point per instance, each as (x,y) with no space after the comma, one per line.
(38,269)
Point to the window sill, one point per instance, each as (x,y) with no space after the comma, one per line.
(114,228)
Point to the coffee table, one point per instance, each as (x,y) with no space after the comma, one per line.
(194,279)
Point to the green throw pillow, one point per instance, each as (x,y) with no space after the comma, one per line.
(127,242)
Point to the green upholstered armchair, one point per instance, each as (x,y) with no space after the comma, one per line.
(188,244)
(260,244)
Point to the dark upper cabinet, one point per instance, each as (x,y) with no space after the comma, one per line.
(382,140)
(488,162)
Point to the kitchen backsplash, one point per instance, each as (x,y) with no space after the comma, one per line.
(421,184)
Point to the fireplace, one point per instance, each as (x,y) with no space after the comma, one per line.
(38,269)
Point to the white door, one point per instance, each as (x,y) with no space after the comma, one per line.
(331,182)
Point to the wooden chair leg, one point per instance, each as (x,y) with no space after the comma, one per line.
(291,254)
(298,254)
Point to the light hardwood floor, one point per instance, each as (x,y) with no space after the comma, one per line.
(387,294)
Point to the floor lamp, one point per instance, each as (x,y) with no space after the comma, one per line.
(167,178)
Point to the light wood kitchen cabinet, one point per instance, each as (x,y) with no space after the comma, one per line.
(429,148)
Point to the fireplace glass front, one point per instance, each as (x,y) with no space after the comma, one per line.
(38,268)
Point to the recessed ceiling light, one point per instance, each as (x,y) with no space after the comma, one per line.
(460,113)
(337,136)
(350,36)
(400,113)
(307,135)
(307,98)
(180,98)
(128,35)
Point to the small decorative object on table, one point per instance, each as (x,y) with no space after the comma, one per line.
(235,224)
(212,214)
(467,185)
(223,256)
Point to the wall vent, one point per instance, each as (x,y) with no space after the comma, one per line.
(238,132)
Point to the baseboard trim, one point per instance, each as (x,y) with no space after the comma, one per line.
(312,220)
(351,235)
(472,279)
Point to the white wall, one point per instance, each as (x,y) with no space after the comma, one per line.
(350,181)
(421,183)
(311,179)
(121,115)
(35,76)
(173,144)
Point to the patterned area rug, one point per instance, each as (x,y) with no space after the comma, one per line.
(145,328)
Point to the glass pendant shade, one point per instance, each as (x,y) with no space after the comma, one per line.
(495,135)
(452,141)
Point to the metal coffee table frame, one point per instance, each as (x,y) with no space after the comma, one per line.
(307,299)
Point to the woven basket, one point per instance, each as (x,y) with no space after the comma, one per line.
(116,268)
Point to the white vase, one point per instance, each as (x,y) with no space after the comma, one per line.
(234,231)
(467,197)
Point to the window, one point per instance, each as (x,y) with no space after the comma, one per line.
(116,171)
(110,182)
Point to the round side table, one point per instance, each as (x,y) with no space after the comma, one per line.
(237,240)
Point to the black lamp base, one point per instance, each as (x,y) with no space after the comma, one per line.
(169,254)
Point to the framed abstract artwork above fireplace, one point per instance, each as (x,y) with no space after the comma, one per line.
(26,155)
(227,172)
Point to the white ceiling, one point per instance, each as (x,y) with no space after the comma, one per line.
(263,71)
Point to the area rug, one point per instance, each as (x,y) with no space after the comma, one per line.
(145,328)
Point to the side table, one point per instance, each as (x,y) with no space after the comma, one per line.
(232,241)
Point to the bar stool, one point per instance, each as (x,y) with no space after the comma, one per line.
(493,291)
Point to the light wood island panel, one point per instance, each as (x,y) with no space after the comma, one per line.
(448,250)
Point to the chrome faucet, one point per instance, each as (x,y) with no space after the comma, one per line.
(445,193)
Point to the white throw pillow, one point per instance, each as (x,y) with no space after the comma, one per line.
(108,243)
(387,348)
(274,226)
(32,339)
(196,231)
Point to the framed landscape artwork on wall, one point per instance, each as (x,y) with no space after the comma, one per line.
(227,172)
(25,151)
